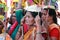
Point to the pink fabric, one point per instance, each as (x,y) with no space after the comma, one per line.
(25,28)
(13,28)
(30,2)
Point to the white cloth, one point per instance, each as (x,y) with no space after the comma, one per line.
(33,8)
(8,25)
(2,36)
(58,20)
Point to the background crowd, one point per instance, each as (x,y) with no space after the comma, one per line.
(30,20)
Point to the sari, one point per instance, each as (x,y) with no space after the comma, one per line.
(54,31)
(30,34)
(8,37)
(19,15)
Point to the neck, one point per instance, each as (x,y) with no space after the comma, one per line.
(30,26)
(46,24)
(52,21)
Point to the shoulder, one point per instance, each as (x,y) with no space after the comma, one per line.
(53,26)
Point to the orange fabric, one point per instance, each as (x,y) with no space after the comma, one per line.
(27,35)
(8,37)
(52,26)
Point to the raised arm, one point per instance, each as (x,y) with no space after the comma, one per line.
(38,30)
(19,4)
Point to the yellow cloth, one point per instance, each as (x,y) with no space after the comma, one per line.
(3,1)
(2,30)
(27,35)
(1,17)
(12,5)
(38,1)
(15,0)
(23,3)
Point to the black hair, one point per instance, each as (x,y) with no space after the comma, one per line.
(11,19)
(2,11)
(52,13)
(1,23)
(13,11)
(34,14)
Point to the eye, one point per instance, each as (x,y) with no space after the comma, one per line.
(45,14)
(28,16)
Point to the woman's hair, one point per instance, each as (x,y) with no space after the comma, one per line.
(34,14)
(52,13)
(11,18)
(1,23)
(2,11)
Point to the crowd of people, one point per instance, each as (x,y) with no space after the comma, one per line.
(24,24)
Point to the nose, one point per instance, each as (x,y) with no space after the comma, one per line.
(26,18)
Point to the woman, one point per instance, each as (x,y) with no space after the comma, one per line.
(32,28)
(12,19)
(51,20)
(44,23)
(16,24)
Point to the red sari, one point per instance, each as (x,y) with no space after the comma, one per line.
(54,31)
(28,33)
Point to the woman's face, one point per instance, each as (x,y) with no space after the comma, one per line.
(29,19)
(49,19)
(44,15)
(13,19)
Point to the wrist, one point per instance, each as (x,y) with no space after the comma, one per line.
(38,33)
(38,29)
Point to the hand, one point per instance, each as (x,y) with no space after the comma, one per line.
(37,20)
(22,20)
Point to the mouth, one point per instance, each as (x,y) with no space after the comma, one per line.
(58,14)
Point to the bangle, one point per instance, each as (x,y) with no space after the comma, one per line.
(38,33)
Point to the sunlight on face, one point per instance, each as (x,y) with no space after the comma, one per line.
(29,19)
